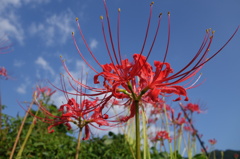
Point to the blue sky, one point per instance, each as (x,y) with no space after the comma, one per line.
(40,31)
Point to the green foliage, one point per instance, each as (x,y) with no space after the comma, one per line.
(41,144)
(57,145)
(110,146)
(62,144)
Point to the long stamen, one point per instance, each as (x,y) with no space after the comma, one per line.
(166,52)
(110,32)
(168,41)
(199,65)
(80,53)
(195,68)
(221,47)
(154,39)
(85,42)
(145,39)
(107,47)
(206,38)
(118,35)
(147,30)
(155,36)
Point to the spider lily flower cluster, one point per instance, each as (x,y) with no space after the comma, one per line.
(3,73)
(137,80)
(83,114)
(133,83)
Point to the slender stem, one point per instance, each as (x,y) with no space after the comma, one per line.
(198,137)
(138,150)
(20,130)
(78,143)
(19,154)
(0,109)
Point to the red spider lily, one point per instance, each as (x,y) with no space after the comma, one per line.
(203,150)
(236,156)
(138,80)
(178,120)
(192,108)
(3,73)
(161,136)
(83,115)
(46,92)
(160,107)
(212,141)
(152,120)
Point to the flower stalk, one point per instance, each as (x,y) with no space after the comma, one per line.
(78,143)
(138,139)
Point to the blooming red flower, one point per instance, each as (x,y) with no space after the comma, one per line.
(44,91)
(3,73)
(178,120)
(162,135)
(138,81)
(212,141)
(236,156)
(83,115)
(192,107)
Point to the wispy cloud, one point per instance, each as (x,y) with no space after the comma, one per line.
(10,26)
(10,21)
(18,63)
(56,29)
(44,65)
(22,89)
(93,43)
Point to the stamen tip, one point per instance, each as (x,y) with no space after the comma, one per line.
(168,13)
(119,9)
(72,33)
(151,3)
(76,18)
(101,17)
(160,15)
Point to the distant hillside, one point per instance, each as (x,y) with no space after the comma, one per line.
(228,154)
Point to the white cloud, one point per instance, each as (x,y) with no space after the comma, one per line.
(35,1)
(44,65)
(10,21)
(93,43)
(10,26)
(9,3)
(56,29)
(18,63)
(22,89)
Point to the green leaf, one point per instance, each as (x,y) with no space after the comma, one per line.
(108,141)
(199,156)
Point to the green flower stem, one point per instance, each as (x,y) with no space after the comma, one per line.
(138,150)
(20,130)
(19,154)
(78,143)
